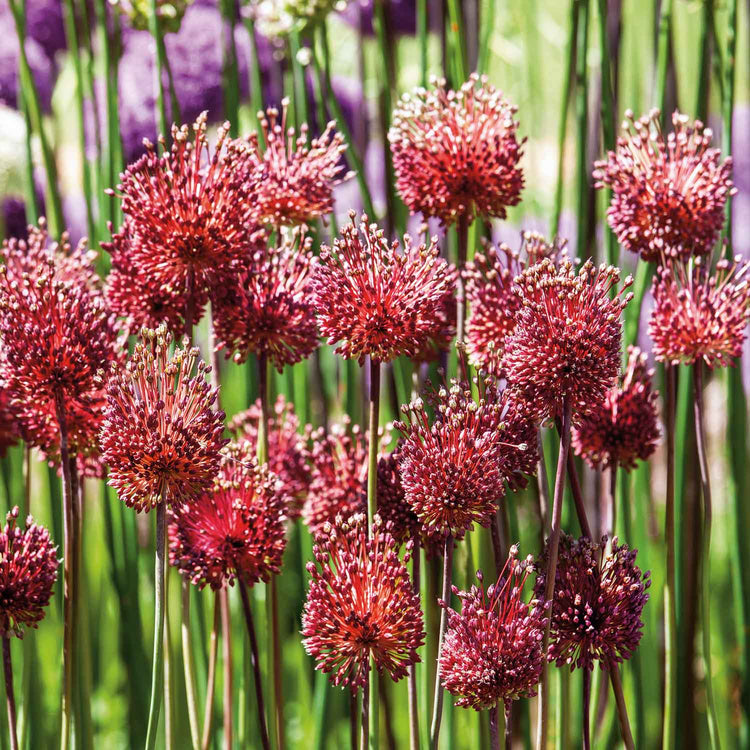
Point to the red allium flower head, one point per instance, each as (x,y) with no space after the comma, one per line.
(234,530)
(668,195)
(623,428)
(161,437)
(392,506)
(456,153)
(294,179)
(493,648)
(566,343)
(268,310)
(338,484)
(9,432)
(287,452)
(699,314)
(453,472)
(360,605)
(189,215)
(28,570)
(518,431)
(56,335)
(376,300)
(599,595)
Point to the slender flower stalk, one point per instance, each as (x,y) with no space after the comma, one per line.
(9,695)
(437,705)
(189,666)
(213,652)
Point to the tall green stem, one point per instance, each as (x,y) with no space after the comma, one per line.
(622,709)
(463,244)
(187,660)
(161,105)
(226,650)
(213,652)
(9,697)
(663,52)
(437,707)
(256,81)
(582,131)
(230,68)
(424,41)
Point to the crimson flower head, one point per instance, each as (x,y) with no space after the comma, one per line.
(56,335)
(28,570)
(234,530)
(668,194)
(699,314)
(287,452)
(361,604)
(294,178)
(492,652)
(456,153)
(161,436)
(599,596)
(566,343)
(623,428)
(373,300)
(267,309)
(189,219)
(454,471)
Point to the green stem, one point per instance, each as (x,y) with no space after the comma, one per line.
(437,707)
(664,44)
(187,660)
(582,130)
(704,67)
(320,704)
(256,81)
(586,707)
(226,648)
(230,69)
(213,652)
(32,209)
(9,697)
(459,57)
(161,105)
(494,715)
(412,676)
(622,709)
(643,274)
(463,243)
(424,41)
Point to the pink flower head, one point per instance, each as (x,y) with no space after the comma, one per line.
(361,605)
(668,194)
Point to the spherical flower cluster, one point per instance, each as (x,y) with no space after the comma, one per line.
(287,452)
(566,343)
(454,472)
(599,596)
(361,605)
(235,530)
(161,437)
(294,179)
(700,315)
(373,300)
(278,18)
(623,428)
(169,13)
(456,153)
(338,483)
(189,220)
(267,310)
(492,652)
(28,570)
(668,195)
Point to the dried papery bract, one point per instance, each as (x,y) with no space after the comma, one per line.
(267,309)
(456,153)
(668,193)
(700,314)
(161,437)
(293,178)
(360,604)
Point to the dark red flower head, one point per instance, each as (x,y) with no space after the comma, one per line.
(361,604)
(235,530)
(668,194)
(599,596)
(287,452)
(161,436)
(700,314)
(492,652)
(454,471)
(373,300)
(267,309)
(189,219)
(28,570)
(456,153)
(623,428)
(566,343)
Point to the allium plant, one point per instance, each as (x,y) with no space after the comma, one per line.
(360,605)
(669,193)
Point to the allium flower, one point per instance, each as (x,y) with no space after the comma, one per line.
(294,180)
(278,18)
(623,428)
(668,195)
(566,343)
(28,570)
(161,436)
(267,309)
(189,216)
(338,475)
(373,300)
(287,452)
(599,595)
(9,433)
(234,530)
(699,314)
(361,604)
(492,653)
(170,12)
(454,472)
(456,153)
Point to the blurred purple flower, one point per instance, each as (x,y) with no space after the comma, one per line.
(44,24)
(13,213)
(403,16)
